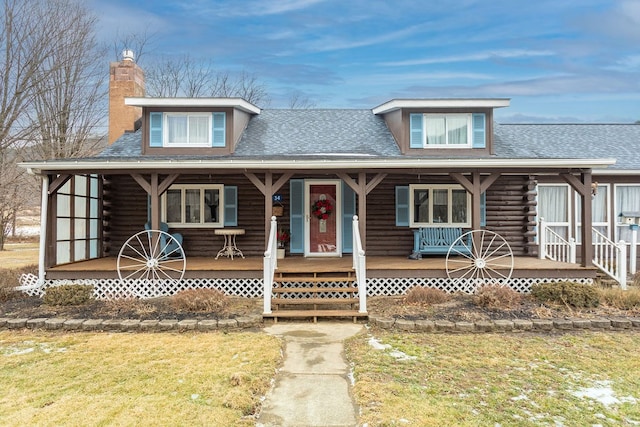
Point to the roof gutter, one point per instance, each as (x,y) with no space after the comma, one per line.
(315,164)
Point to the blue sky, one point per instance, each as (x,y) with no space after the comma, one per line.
(558,61)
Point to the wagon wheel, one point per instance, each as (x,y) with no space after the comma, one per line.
(152,257)
(479,257)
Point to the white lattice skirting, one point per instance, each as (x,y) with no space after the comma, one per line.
(252,288)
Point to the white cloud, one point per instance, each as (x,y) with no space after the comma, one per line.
(472,57)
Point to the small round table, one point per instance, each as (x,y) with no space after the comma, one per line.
(229,249)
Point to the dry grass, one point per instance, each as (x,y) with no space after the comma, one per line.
(426,296)
(18,255)
(619,299)
(200,300)
(496,297)
(84,379)
(496,379)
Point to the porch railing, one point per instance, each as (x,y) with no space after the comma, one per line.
(553,246)
(610,257)
(360,266)
(270,264)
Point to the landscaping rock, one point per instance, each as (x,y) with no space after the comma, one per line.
(36,323)
(16,323)
(227,324)
(168,324)
(207,325)
(405,325)
(562,324)
(187,325)
(522,325)
(581,323)
(92,325)
(542,325)
(112,324)
(445,326)
(425,325)
(73,324)
(619,323)
(385,323)
(149,325)
(635,322)
(484,326)
(464,327)
(601,323)
(503,325)
(55,323)
(130,324)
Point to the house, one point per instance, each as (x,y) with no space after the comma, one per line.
(214,169)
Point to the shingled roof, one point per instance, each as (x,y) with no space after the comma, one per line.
(360,134)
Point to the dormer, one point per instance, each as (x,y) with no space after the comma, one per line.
(441,126)
(188,126)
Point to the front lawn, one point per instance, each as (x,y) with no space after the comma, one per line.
(592,378)
(94,379)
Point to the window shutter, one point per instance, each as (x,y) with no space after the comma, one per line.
(483,209)
(348,211)
(416,139)
(479,130)
(402,206)
(155,129)
(218,132)
(296,216)
(230,206)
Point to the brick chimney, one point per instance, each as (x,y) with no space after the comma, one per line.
(126,79)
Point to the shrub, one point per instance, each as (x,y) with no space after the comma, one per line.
(200,300)
(68,295)
(568,293)
(9,279)
(622,300)
(496,297)
(423,295)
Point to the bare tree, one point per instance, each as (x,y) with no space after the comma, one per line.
(69,101)
(50,96)
(184,76)
(299,100)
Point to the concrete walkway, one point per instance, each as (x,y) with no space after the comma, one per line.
(313,387)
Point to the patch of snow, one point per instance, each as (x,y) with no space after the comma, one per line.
(603,393)
(195,396)
(521,397)
(397,354)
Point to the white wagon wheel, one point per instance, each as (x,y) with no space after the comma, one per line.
(479,257)
(153,257)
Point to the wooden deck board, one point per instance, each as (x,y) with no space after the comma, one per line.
(376,267)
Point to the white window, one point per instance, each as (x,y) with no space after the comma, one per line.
(188,130)
(554,207)
(447,130)
(192,205)
(439,205)
(599,212)
(627,200)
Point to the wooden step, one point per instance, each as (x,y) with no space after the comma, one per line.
(279,290)
(307,279)
(316,301)
(300,314)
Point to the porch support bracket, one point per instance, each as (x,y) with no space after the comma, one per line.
(362,188)
(268,189)
(155,189)
(58,182)
(582,186)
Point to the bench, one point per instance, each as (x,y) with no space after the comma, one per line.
(438,240)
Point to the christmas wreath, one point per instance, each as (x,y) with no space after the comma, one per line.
(321,209)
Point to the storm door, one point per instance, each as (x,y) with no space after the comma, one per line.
(323,216)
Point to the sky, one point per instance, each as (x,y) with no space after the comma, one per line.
(558,61)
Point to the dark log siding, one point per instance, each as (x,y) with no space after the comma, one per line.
(509,213)
(510,206)
(128,214)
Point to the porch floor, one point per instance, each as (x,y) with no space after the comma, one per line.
(208,267)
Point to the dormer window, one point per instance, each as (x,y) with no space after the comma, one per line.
(187,129)
(453,130)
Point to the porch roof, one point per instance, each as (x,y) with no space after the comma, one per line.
(358,139)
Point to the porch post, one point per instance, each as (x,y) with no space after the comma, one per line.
(583,187)
(43,228)
(155,202)
(268,200)
(587,221)
(362,208)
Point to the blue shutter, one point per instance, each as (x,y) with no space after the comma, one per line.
(348,211)
(483,209)
(230,206)
(296,216)
(479,130)
(218,134)
(155,129)
(416,139)
(402,206)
